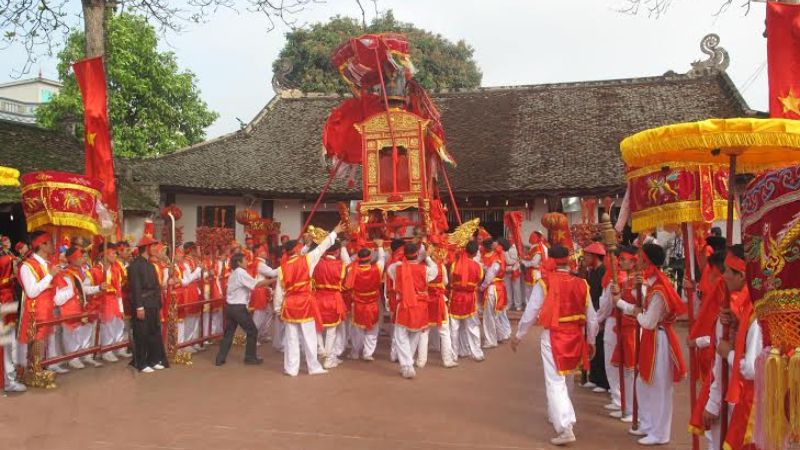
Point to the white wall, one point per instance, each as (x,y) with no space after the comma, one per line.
(27,92)
(133,226)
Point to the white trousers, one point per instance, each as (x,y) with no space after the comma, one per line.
(655,399)
(112,332)
(295,335)
(440,337)
(364,341)
(263,319)
(278,333)
(466,336)
(559,406)
(514,290)
(78,338)
(612,371)
(191,327)
(527,289)
(503,326)
(342,335)
(406,343)
(9,355)
(330,341)
(217,321)
(489,318)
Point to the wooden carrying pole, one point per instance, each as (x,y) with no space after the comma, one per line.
(726,328)
(610,239)
(688,268)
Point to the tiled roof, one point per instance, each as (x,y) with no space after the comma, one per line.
(527,140)
(29,148)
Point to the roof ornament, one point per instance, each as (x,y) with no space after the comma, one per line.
(718,59)
(280,83)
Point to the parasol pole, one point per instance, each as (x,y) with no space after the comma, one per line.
(321,194)
(610,239)
(452,197)
(388,123)
(688,261)
(635,423)
(726,329)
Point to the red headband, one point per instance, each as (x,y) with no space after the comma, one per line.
(627,256)
(75,256)
(365,259)
(41,239)
(735,263)
(412,256)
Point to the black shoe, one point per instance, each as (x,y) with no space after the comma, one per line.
(219,363)
(253,362)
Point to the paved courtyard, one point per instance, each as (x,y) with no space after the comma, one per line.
(497,404)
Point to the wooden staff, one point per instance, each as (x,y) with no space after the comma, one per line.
(610,239)
(688,264)
(726,305)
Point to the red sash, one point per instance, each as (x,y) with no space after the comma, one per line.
(626,331)
(412,289)
(649,338)
(564,314)
(437,305)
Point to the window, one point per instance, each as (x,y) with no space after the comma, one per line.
(45,95)
(216,216)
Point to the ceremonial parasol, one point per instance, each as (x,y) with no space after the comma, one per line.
(9,176)
(746,145)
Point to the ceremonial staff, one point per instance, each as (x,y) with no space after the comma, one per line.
(638,287)
(610,239)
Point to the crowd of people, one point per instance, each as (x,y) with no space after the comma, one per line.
(324,302)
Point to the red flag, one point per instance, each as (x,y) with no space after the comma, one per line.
(783,56)
(98,156)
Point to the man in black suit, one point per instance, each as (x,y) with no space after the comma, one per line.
(145,296)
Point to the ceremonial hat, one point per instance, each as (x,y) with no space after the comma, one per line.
(146,240)
(595,248)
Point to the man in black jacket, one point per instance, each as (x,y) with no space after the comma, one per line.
(145,296)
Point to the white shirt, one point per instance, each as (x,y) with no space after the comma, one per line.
(189,276)
(531,315)
(240,283)
(512,259)
(32,287)
(264,270)
(431,270)
(747,366)
(67,292)
(489,276)
(313,258)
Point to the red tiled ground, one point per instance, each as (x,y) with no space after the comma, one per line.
(498,404)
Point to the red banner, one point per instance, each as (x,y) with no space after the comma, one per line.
(783,57)
(99,159)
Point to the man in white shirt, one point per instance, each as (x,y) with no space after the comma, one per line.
(567,341)
(240,284)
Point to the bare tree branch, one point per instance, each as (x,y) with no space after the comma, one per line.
(363,15)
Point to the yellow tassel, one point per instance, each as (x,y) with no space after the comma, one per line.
(794,395)
(775,385)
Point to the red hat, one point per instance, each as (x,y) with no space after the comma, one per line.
(149,228)
(18,246)
(595,248)
(146,240)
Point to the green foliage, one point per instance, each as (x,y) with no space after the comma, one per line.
(154,108)
(440,63)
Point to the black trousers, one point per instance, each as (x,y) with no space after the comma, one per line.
(148,347)
(597,370)
(238,316)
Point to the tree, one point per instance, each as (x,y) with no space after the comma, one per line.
(42,25)
(154,108)
(655,8)
(304,62)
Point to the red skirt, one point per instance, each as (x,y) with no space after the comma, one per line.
(437,309)
(415,317)
(570,350)
(331,307)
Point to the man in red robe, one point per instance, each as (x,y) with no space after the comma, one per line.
(660,358)
(741,355)
(36,277)
(75,285)
(411,284)
(108,303)
(466,275)
(619,339)
(328,284)
(295,301)
(561,304)
(363,281)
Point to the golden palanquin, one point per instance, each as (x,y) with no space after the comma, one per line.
(394,171)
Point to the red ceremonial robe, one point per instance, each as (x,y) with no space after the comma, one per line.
(412,292)
(437,305)
(465,276)
(648,341)
(328,279)
(564,314)
(39,308)
(299,304)
(364,281)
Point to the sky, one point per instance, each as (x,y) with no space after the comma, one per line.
(516,42)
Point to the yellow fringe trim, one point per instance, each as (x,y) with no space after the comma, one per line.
(794,395)
(775,381)
(62,219)
(762,143)
(674,213)
(9,176)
